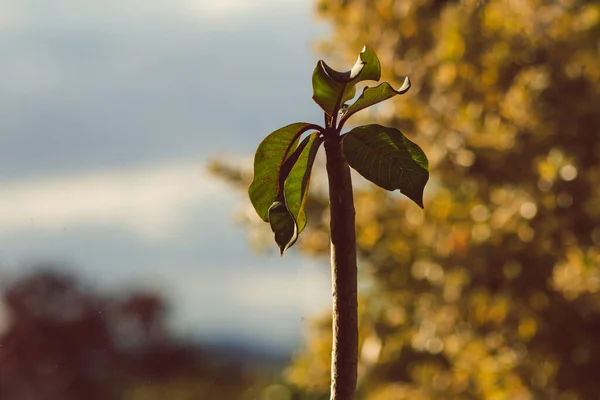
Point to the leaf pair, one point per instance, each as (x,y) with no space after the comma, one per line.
(282,170)
(331,89)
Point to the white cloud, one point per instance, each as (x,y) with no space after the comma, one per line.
(207,9)
(301,286)
(150,202)
(12,13)
(262,303)
(19,13)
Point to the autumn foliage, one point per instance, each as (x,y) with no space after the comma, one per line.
(492,291)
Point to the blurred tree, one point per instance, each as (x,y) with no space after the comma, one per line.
(493,291)
(57,343)
(61,340)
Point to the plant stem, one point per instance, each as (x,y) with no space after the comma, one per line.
(343,273)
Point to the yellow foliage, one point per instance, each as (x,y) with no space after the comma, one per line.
(492,291)
(473,297)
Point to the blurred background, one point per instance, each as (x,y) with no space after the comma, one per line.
(132,266)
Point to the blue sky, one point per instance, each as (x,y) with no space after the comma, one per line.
(109,112)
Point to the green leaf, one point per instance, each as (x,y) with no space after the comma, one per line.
(268,161)
(286,215)
(298,181)
(283,226)
(388,159)
(332,88)
(373,95)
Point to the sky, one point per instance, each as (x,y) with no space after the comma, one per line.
(109,114)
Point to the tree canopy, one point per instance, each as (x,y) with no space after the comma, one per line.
(492,291)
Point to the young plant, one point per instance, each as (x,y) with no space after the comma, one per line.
(383,155)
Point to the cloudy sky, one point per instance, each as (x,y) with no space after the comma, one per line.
(109,111)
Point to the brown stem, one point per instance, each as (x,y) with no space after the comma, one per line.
(344,273)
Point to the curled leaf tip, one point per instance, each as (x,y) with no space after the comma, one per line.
(405,86)
(359,65)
